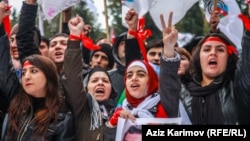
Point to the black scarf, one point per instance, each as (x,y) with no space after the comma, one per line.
(206,104)
(108,104)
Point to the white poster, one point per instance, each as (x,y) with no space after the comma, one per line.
(128,129)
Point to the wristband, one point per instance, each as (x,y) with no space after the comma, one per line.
(86,41)
(130,32)
(73,37)
(114,119)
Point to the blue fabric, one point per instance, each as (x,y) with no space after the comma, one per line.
(19,72)
(156,68)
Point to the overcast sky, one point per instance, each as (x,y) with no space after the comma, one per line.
(98,3)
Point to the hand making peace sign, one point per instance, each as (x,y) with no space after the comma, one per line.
(169,36)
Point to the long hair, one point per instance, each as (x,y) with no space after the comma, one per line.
(22,103)
(195,66)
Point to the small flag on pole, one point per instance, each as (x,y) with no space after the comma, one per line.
(112,35)
(229,24)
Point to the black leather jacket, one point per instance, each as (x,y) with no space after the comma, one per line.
(63,130)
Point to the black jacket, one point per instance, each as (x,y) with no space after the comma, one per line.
(7,82)
(63,130)
(27,42)
(242,82)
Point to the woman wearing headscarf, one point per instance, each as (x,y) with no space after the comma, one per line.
(91,102)
(142,99)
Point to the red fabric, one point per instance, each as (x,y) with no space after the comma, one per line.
(113,37)
(26,63)
(7,22)
(248,1)
(246,21)
(86,41)
(161,113)
(114,119)
(141,34)
(222,12)
(152,85)
(230,48)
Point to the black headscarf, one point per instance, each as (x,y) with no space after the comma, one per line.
(109,104)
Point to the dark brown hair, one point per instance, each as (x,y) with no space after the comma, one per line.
(183,51)
(156,43)
(21,103)
(195,66)
(59,35)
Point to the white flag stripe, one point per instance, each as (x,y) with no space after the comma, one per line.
(40,22)
(179,8)
(140,6)
(52,8)
(91,6)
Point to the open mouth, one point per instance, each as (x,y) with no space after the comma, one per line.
(135,86)
(58,54)
(212,63)
(99,91)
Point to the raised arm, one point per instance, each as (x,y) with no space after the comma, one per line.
(169,82)
(214,21)
(131,43)
(27,33)
(73,79)
(8,79)
(242,76)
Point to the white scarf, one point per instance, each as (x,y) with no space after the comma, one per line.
(96,116)
(142,109)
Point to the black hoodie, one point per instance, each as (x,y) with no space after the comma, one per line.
(132,52)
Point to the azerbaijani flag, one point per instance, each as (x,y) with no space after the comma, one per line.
(229,24)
